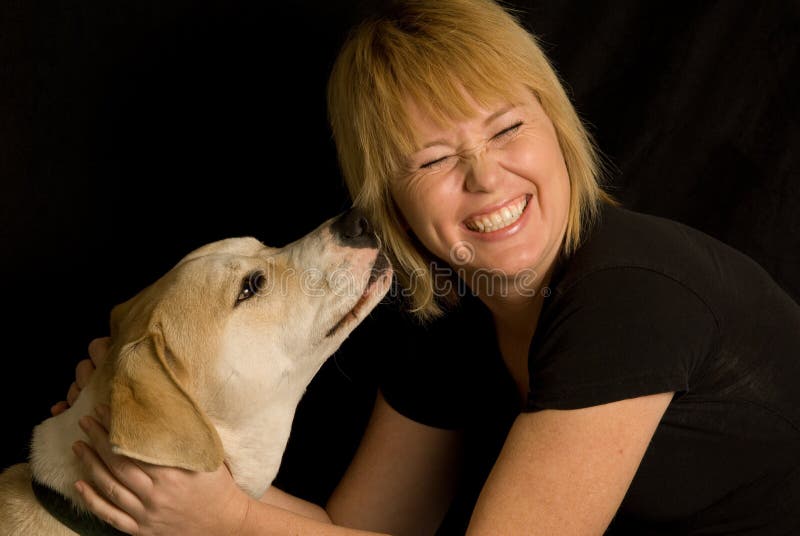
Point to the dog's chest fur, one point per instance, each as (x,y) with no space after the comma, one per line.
(21,513)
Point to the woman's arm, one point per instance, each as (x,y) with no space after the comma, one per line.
(275,497)
(400,484)
(402,478)
(149,500)
(401,481)
(566,472)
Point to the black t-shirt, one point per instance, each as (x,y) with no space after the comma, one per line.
(646,305)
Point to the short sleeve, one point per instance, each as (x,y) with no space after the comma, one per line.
(617,333)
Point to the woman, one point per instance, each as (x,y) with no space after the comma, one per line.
(651,396)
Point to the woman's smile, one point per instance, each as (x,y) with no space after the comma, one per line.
(503,220)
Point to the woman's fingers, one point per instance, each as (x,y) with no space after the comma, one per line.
(72,394)
(98,350)
(103,415)
(106,511)
(110,469)
(104,481)
(58,408)
(83,372)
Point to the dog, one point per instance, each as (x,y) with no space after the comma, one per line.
(207,366)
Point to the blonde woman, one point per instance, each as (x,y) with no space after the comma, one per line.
(651,395)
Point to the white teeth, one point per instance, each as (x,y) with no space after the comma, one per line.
(498,219)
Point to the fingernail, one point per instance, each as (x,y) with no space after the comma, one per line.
(83,422)
(79,487)
(102,411)
(77,448)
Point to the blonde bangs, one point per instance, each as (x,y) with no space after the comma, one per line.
(395,63)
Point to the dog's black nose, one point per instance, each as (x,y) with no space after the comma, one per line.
(352,229)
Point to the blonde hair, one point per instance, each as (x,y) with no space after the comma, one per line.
(426,52)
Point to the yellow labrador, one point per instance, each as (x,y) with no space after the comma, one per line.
(207,366)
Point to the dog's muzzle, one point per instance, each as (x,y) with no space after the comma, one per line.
(353,230)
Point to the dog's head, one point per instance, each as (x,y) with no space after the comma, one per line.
(233,328)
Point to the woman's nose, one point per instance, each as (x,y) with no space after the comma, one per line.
(482,173)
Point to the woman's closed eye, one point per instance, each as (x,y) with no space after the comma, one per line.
(434,164)
(503,135)
(507,132)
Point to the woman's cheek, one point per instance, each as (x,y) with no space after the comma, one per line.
(522,156)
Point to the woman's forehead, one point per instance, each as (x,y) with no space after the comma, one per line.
(466,104)
(429,115)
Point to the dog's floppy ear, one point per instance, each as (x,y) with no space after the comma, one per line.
(153,418)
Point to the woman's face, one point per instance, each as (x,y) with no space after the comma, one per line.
(488,193)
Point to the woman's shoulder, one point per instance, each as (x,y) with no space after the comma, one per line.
(650,297)
(623,240)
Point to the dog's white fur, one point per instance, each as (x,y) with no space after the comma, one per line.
(214,379)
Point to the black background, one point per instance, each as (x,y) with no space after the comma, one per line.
(135,131)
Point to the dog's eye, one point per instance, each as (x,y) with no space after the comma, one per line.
(252,284)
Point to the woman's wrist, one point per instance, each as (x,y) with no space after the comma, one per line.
(278,498)
(276,512)
(232,517)
(263,519)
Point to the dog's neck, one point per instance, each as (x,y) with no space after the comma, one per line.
(256,428)
(253,446)
(52,460)
(255,443)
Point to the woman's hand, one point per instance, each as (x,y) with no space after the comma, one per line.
(144,499)
(98,350)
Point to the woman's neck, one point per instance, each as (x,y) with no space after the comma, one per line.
(515,308)
(515,318)
(515,323)
(516,315)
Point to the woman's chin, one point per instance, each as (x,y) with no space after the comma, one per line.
(514,276)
